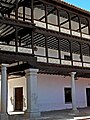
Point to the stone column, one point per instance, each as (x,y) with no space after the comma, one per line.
(73,89)
(32,95)
(4,92)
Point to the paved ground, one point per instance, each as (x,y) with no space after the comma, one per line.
(81,114)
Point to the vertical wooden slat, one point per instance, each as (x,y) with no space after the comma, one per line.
(16,39)
(32,41)
(46,16)
(81,56)
(59,49)
(32,12)
(71,53)
(16,10)
(23,13)
(58,19)
(79,25)
(69,18)
(46,45)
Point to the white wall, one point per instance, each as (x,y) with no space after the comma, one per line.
(14,83)
(51,91)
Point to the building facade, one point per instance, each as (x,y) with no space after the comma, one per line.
(45,56)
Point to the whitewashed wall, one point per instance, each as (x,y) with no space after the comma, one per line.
(14,83)
(51,91)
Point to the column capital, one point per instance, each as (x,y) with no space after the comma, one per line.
(73,73)
(31,71)
(4,66)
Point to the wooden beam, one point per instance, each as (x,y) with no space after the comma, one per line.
(16,9)
(32,9)
(11,57)
(68,20)
(82,27)
(23,13)
(46,46)
(47,14)
(16,39)
(14,22)
(61,35)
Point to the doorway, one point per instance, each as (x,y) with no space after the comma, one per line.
(88,96)
(19,99)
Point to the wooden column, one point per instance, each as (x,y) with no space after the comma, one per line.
(59,49)
(32,13)
(32,41)
(16,9)
(23,13)
(58,19)
(46,46)
(80,26)
(71,53)
(89,26)
(81,57)
(46,16)
(16,38)
(69,18)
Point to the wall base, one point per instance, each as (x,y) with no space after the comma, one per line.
(3,116)
(32,114)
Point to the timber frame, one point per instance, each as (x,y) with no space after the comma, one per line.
(21,34)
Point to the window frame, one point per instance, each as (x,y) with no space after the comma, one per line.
(67,100)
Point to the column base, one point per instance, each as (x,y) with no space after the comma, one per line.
(3,116)
(76,111)
(32,114)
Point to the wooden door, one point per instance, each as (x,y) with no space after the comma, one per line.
(19,99)
(88,96)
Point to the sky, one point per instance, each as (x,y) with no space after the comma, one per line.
(85,4)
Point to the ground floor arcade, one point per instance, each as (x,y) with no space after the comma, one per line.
(35,92)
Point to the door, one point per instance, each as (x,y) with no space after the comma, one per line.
(19,99)
(88,96)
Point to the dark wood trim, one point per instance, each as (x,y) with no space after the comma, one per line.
(23,13)
(14,22)
(46,46)
(16,39)
(81,56)
(89,26)
(16,9)
(11,57)
(71,53)
(61,35)
(58,19)
(79,21)
(32,42)
(69,18)
(32,9)
(59,49)
(46,16)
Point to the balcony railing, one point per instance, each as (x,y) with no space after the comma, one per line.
(53,60)
(62,29)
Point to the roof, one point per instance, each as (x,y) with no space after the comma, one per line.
(72,6)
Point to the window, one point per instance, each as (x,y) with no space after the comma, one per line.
(68,98)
